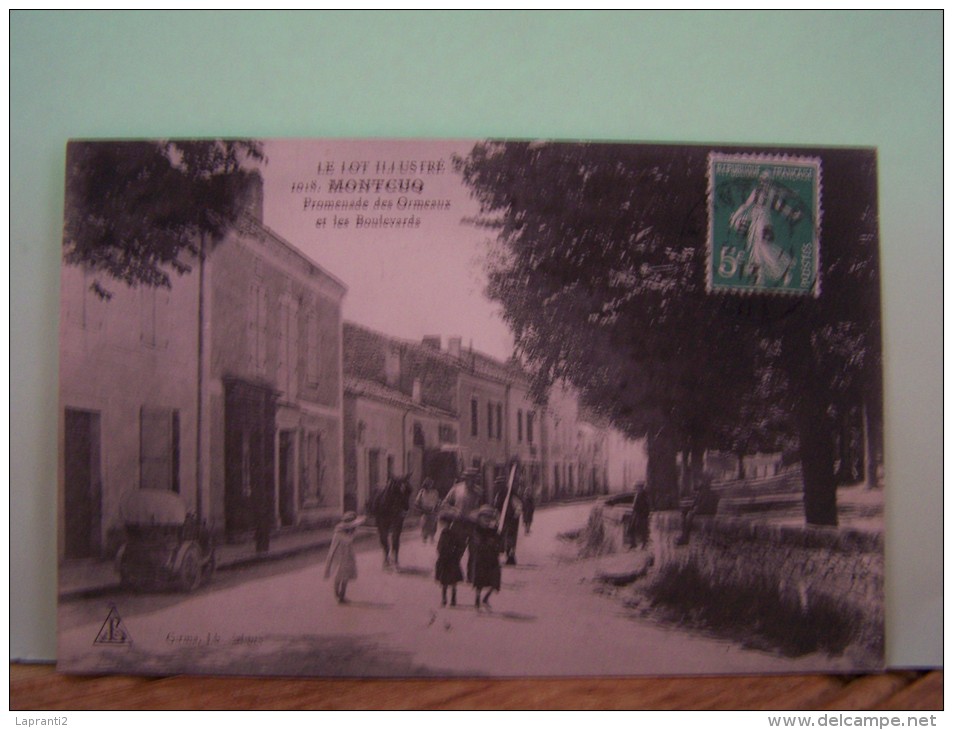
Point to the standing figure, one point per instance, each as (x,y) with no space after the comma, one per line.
(427,501)
(341,559)
(389,509)
(704,503)
(510,509)
(529,508)
(465,497)
(485,550)
(641,510)
(450,548)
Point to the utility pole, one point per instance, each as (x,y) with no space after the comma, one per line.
(201,381)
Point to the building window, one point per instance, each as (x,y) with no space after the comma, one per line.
(373,471)
(314,351)
(447,434)
(419,434)
(489,420)
(288,349)
(474,417)
(312,471)
(258,327)
(159,449)
(499,421)
(530,416)
(519,426)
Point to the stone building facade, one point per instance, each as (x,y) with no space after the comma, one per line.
(388,433)
(255,430)
(274,394)
(128,379)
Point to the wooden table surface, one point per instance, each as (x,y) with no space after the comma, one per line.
(39,687)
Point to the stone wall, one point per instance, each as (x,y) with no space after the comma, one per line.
(804,565)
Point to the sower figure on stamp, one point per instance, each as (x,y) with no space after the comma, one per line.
(389,510)
(766,262)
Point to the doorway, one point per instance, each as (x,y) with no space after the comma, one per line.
(286,472)
(83,484)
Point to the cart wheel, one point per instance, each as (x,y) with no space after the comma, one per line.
(190,570)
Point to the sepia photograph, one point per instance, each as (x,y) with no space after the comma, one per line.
(469,408)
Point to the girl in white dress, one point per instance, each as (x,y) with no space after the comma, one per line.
(341,560)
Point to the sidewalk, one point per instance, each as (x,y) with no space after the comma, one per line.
(87,578)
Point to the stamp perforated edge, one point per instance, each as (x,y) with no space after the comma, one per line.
(758,158)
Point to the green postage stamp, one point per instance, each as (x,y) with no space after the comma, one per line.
(764,217)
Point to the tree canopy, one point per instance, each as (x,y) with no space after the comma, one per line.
(136,210)
(599,263)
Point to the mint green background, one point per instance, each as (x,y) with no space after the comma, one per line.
(824,78)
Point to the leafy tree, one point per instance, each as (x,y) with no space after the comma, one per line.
(138,210)
(599,263)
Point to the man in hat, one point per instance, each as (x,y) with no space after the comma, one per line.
(464,500)
(464,497)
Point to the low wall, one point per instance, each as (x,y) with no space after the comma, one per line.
(808,566)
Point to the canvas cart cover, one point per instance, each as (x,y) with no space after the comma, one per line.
(152,507)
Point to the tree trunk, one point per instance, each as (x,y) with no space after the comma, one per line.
(661,470)
(200,385)
(814,429)
(817,464)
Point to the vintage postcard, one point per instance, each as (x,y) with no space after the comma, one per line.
(433,408)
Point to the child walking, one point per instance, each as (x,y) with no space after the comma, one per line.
(485,544)
(341,554)
(450,548)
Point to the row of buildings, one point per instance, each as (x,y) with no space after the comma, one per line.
(426,410)
(242,389)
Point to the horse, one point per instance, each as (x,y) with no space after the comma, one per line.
(389,509)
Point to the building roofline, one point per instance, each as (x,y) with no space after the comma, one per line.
(249,221)
(376,391)
(505,375)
